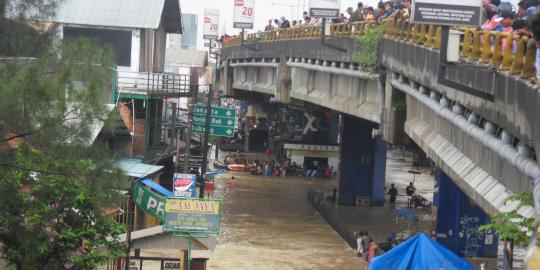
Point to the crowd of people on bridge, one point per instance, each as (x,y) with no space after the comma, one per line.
(384,10)
(500,15)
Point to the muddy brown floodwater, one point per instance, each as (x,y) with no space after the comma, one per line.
(267,223)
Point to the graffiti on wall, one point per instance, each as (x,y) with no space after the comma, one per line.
(474,240)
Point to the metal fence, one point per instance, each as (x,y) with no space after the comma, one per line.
(318,199)
(154,84)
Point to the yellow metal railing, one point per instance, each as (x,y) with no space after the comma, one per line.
(502,50)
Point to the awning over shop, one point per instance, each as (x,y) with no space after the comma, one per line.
(419,252)
(136,168)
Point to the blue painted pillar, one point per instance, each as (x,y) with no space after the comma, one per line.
(458,219)
(362,162)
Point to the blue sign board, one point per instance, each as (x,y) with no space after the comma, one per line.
(184,185)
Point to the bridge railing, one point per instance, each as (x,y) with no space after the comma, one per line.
(302,32)
(506,51)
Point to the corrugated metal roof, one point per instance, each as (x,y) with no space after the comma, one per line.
(117,13)
(191,58)
(157,238)
(136,168)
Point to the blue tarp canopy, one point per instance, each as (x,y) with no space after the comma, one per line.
(419,253)
(157,187)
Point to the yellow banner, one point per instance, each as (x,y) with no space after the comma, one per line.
(192,206)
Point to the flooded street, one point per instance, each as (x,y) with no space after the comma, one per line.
(267,223)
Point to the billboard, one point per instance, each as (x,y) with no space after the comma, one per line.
(184,185)
(244,14)
(192,215)
(211,24)
(445,12)
(324,8)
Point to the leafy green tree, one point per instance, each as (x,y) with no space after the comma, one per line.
(369,48)
(511,227)
(55,181)
(53,220)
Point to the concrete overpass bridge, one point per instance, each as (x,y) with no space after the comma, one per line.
(476,119)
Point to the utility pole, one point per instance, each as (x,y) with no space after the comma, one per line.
(207,124)
(194,92)
(218,104)
(205,141)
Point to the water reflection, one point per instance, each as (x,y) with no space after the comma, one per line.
(267,223)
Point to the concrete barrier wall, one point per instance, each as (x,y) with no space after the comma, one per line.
(306,48)
(516,101)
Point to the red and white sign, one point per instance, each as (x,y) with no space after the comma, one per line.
(211,24)
(244,14)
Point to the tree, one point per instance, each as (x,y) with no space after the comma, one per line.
(54,182)
(53,220)
(369,48)
(511,227)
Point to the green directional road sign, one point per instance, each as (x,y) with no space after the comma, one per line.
(216,111)
(222,120)
(215,130)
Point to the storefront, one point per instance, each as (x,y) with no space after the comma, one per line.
(306,154)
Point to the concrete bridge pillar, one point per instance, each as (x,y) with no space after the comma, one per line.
(458,219)
(363,162)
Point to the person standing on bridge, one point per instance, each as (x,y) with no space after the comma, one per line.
(358,14)
(534,27)
(269,27)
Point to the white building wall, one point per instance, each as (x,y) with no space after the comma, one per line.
(135,49)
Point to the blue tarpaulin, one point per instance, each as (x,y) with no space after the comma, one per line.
(157,187)
(419,253)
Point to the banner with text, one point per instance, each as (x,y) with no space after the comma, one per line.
(192,215)
(211,24)
(148,201)
(244,14)
(445,12)
(324,8)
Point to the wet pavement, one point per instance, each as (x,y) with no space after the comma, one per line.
(267,223)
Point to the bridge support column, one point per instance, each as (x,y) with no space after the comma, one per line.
(283,84)
(458,219)
(363,162)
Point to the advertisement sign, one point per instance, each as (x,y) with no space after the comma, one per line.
(192,215)
(445,12)
(148,201)
(184,185)
(211,24)
(244,14)
(324,8)
(194,161)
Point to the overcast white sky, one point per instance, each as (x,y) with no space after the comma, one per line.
(264,10)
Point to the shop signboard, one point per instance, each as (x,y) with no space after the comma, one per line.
(148,201)
(324,8)
(244,14)
(445,12)
(192,215)
(184,185)
(211,24)
(194,161)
